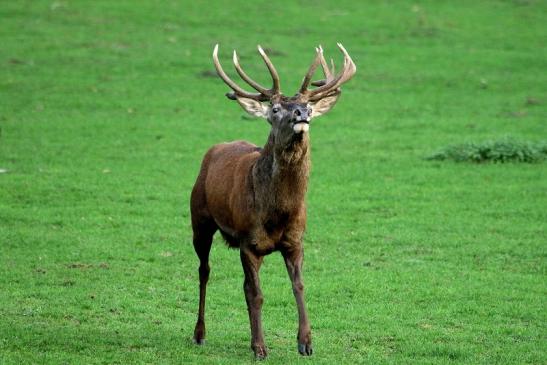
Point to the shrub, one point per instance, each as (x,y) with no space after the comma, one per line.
(500,151)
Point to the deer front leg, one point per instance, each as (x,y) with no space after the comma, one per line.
(293,260)
(253,296)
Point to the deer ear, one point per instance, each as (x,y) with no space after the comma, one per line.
(324,105)
(253,107)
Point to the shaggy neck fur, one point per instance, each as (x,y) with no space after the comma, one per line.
(281,174)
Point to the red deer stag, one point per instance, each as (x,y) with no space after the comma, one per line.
(255,196)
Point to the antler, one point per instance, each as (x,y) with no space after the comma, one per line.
(331,84)
(263,93)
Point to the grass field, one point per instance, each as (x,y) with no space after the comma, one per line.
(107,108)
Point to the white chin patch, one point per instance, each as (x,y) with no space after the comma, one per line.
(301,127)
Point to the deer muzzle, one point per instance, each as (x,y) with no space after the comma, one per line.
(301,120)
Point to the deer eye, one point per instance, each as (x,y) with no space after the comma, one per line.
(275,110)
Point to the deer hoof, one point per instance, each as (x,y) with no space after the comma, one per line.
(199,335)
(305,349)
(199,341)
(260,352)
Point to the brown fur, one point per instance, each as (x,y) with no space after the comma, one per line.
(255,198)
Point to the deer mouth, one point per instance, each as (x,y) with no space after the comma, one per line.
(301,127)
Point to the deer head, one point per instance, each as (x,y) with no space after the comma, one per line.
(289,116)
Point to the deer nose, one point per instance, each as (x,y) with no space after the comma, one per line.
(301,115)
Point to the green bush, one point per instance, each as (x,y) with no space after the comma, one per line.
(500,151)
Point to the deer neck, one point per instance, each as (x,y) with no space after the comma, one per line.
(281,174)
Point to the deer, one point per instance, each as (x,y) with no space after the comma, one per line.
(255,197)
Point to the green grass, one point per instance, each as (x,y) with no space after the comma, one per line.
(107,108)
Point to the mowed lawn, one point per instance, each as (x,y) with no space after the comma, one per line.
(106,108)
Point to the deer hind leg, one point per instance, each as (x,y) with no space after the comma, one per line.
(253,296)
(293,262)
(203,238)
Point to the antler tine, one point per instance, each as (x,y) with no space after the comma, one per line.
(247,79)
(276,88)
(237,90)
(328,73)
(311,70)
(324,66)
(332,85)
